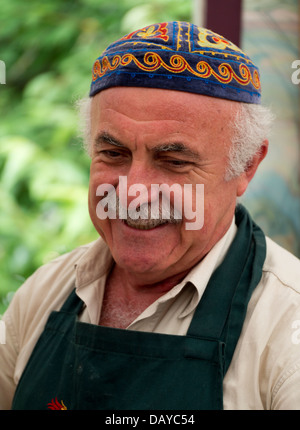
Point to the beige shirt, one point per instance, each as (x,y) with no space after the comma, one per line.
(265,369)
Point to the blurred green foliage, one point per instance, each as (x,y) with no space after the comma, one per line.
(49,48)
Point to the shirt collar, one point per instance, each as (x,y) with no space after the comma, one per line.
(200,275)
(95,263)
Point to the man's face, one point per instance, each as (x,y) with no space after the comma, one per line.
(153,136)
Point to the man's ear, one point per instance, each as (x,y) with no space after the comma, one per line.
(248,174)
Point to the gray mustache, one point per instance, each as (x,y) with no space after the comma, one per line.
(147,215)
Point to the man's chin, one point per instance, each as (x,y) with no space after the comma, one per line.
(144,266)
(139,249)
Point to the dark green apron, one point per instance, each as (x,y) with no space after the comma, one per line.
(89,367)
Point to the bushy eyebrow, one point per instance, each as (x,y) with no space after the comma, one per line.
(105,137)
(179,147)
(176,147)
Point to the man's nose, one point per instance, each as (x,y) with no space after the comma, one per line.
(137,183)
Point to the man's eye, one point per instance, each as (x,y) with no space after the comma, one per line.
(178,163)
(110,154)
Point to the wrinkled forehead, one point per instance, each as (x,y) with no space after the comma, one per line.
(146,103)
(154,115)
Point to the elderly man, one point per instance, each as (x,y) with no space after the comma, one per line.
(192,308)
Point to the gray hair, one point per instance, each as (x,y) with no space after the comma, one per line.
(251,126)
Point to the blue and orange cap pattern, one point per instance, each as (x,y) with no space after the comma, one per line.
(178,56)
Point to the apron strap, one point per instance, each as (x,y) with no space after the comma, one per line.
(73,304)
(232,283)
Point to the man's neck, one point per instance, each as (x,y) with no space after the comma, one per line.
(125,298)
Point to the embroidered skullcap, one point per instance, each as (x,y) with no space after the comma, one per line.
(178,56)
